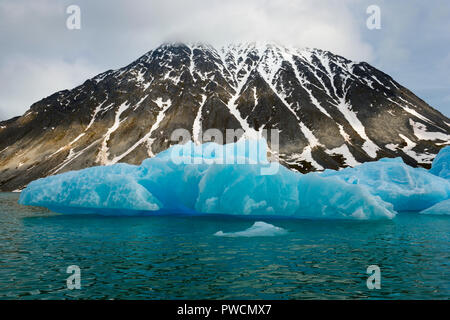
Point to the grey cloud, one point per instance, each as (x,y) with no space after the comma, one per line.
(39,55)
(413,46)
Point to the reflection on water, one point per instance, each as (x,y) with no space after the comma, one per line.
(179,257)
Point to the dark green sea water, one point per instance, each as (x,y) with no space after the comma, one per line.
(178,257)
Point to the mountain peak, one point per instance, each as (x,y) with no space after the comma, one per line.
(330,112)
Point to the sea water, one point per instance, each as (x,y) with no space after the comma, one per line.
(184,257)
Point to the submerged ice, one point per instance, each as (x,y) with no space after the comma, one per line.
(199,179)
(258,229)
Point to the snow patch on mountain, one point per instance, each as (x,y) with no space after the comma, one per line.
(420,131)
(103,154)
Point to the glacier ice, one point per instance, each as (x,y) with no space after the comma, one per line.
(199,179)
(441,164)
(441,208)
(441,168)
(407,188)
(258,229)
(99,188)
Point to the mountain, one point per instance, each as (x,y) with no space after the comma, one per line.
(331,112)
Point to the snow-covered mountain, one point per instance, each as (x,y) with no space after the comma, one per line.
(331,112)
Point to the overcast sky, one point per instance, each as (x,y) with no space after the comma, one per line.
(39,55)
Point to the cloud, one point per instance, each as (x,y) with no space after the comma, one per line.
(413,47)
(325,24)
(26,80)
(40,55)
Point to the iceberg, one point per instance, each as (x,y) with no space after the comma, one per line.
(441,208)
(441,164)
(441,168)
(238,179)
(199,179)
(405,187)
(258,229)
(91,190)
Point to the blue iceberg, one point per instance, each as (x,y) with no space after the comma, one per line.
(238,179)
(407,188)
(441,168)
(441,164)
(197,179)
